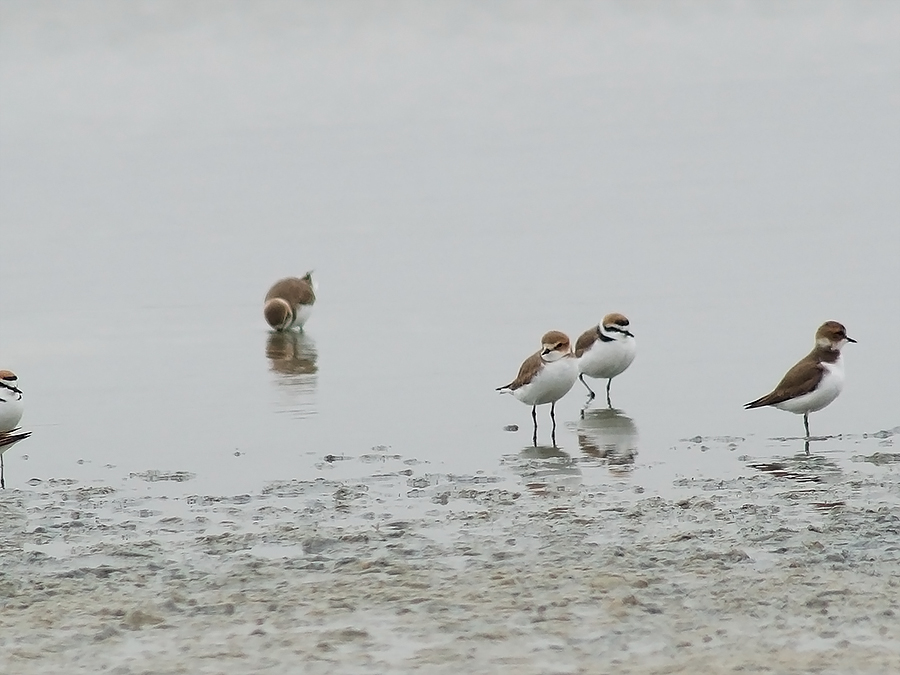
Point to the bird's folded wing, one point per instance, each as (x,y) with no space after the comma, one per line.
(295,291)
(530,367)
(799,380)
(13,436)
(585,340)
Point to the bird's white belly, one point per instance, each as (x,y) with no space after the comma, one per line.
(831,385)
(607,359)
(552,383)
(10,414)
(301,315)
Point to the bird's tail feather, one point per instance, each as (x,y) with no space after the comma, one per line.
(760,402)
(8,438)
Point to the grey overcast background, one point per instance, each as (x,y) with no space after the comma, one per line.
(462,177)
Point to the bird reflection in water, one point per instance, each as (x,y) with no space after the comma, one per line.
(547,470)
(800,467)
(609,434)
(293,358)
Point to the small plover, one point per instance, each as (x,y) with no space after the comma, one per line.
(545,377)
(816,380)
(604,351)
(289,302)
(11,409)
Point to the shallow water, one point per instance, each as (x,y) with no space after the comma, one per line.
(462,178)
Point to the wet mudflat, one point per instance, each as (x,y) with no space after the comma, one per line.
(790,568)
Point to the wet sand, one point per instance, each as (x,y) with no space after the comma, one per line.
(790,568)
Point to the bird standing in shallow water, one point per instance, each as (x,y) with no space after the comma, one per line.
(289,302)
(11,409)
(605,350)
(545,377)
(815,380)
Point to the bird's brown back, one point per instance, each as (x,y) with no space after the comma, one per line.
(801,379)
(530,367)
(295,291)
(585,340)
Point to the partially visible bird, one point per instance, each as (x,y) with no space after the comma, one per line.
(11,409)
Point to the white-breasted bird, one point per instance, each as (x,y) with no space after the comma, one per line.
(11,409)
(289,302)
(545,377)
(605,350)
(815,380)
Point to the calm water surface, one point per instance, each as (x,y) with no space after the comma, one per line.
(462,178)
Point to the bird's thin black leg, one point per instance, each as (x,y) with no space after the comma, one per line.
(534,419)
(591,393)
(608,399)
(806,424)
(553,417)
(2,471)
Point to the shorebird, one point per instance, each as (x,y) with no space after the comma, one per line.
(604,351)
(816,380)
(11,409)
(545,377)
(289,302)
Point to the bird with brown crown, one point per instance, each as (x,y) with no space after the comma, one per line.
(545,377)
(289,302)
(604,351)
(815,380)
